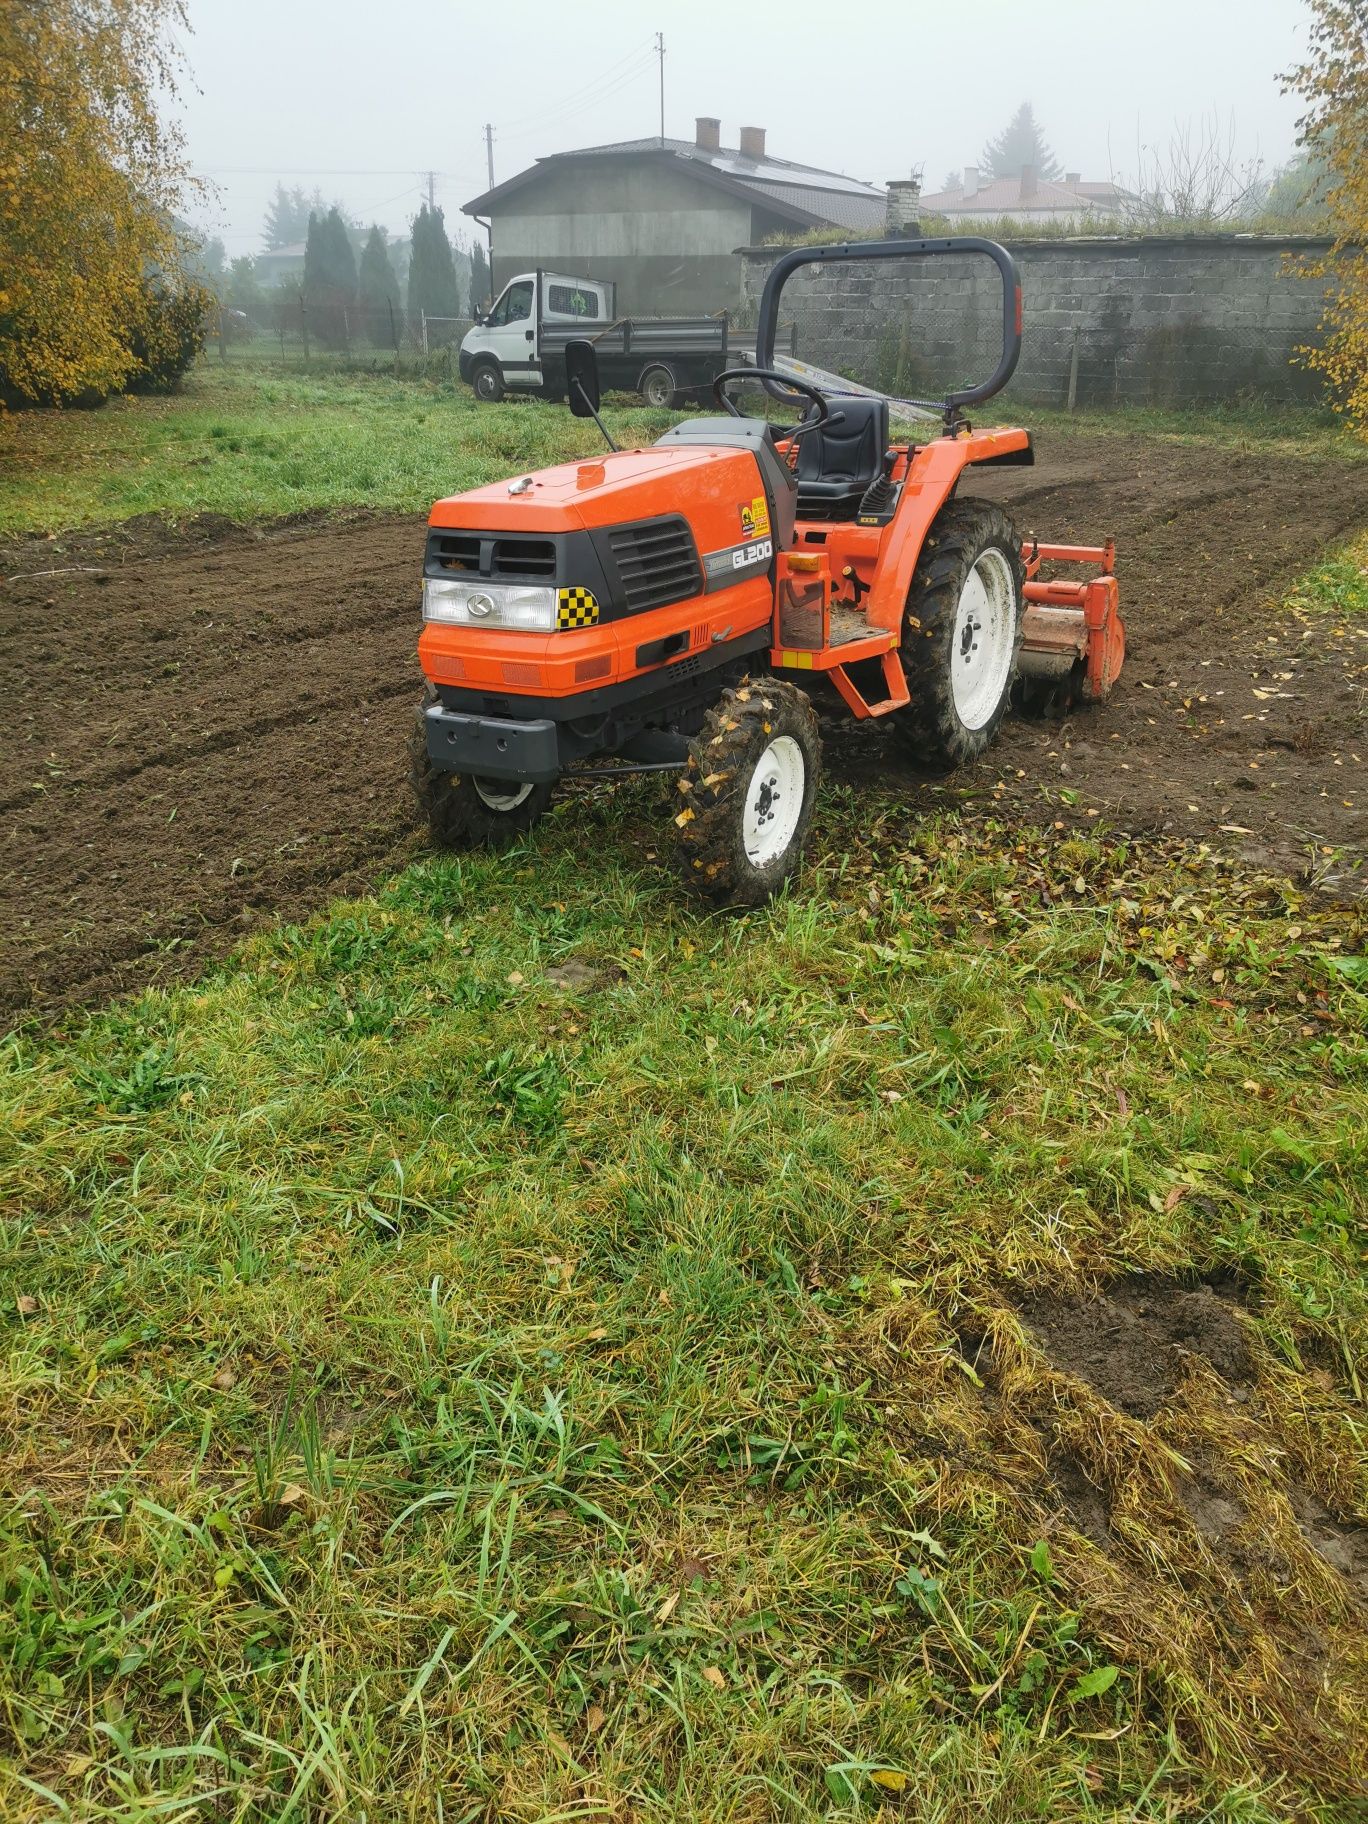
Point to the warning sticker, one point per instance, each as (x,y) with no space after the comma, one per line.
(755,518)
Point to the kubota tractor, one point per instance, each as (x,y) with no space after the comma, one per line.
(650,609)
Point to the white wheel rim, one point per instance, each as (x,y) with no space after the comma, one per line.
(497,796)
(984,635)
(774,801)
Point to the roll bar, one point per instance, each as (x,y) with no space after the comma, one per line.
(902,250)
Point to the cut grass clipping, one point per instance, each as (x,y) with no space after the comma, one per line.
(517,1348)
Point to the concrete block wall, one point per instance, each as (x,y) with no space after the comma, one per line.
(1156,321)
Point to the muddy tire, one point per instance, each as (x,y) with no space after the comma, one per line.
(463,812)
(657,388)
(487,383)
(747,792)
(961,634)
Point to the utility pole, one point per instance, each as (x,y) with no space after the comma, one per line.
(432,200)
(660,53)
(489,152)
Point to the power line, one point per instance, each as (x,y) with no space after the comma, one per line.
(307,171)
(584,95)
(586,101)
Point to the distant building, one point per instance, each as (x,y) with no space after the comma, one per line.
(1026,198)
(280,263)
(664,217)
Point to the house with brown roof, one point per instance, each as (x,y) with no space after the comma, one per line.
(1027,197)
(664,217)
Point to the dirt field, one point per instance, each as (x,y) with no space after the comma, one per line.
(208,727)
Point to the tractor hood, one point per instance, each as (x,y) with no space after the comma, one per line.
(614,488)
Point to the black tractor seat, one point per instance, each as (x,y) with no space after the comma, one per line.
(837,462)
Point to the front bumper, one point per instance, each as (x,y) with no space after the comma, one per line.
(492,747)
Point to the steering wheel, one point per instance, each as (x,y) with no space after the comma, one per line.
(808,422)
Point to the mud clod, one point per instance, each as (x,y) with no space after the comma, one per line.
(1131,1344)
(1087,1507)
(1344,1548)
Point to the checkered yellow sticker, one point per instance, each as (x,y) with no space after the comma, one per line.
(577,608)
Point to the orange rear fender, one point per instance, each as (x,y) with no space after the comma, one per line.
(932,475)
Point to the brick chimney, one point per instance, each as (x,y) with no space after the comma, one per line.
(1028,182)
(971,180)
(901,209)
(707,133)
(753,143)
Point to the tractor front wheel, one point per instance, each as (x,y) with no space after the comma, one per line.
(465,812)
(746,795)
(961,634)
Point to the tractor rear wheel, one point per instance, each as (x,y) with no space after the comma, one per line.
(961,634)
(747,791)
(465,812)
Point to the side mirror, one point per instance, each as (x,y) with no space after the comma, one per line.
(582,378)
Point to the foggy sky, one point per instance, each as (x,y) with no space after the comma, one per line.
(360,97)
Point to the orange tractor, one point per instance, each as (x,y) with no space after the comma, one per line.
(656,609)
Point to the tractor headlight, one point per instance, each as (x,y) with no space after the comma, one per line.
(472,603)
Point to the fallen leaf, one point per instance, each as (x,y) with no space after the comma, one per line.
(515,980)
(594,1719)
(715,1677)
(292,1494)
(889,1778)
(225,1380)
(668,1607)
(1175,1197)
(25,1305)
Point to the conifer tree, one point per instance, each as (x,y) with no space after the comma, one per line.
(432,274)
(479,280)
(329,278)
(1020,143)
(382,308)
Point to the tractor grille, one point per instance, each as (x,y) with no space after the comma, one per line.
(456,550)
(524,557)
(494,556)
(656,563)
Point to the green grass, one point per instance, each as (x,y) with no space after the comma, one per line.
(1338,585)
(432,1392)
(254,440)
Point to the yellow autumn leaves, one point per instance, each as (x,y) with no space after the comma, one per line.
(89,182)
(1333,82)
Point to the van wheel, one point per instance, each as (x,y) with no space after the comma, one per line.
(463,812)
(488,383)
(657,388)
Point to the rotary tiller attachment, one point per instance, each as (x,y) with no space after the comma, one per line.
(1073,640)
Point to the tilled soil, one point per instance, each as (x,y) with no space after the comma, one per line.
(208,727)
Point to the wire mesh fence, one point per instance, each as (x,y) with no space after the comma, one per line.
(284,325)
